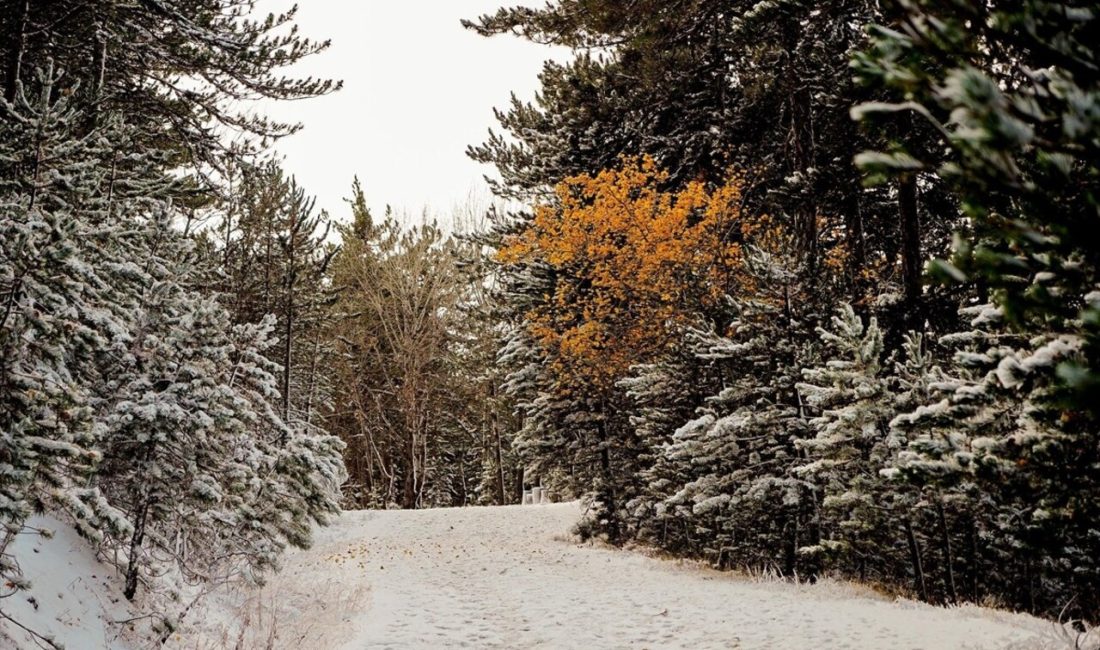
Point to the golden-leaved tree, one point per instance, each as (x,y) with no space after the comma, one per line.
(631,266)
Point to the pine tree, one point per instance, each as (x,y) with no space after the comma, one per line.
(990,446)
(192,448)
(762,86)
(120,375)
(1010,90)
(272,247)
(130,405)
(66,294)
(855,393)
(722,486)
(176,71)
(848,445)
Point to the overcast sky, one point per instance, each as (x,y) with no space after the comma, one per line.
(418,88)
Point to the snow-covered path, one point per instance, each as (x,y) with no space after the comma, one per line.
(512,578)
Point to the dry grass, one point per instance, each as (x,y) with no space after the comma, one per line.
(293,610)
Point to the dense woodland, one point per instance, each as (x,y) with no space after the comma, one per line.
(804,287)
(812,286)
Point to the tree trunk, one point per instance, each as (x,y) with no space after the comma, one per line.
(290,285)
(422,467)
(948,556)
(16,50)
(520,472)
(287,350)
(610,505)
(408,493)
(99,67)
(972,558)
(138,536)
(792,547)
(98,75)
(801,148)
(911,263)
(502,498)
(1029,581)
(814,533)
(311,382)
(460,501)
(914,554)
(498,452)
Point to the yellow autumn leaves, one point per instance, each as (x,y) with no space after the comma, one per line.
(632,262)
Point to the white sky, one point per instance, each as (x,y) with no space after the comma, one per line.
(418,88)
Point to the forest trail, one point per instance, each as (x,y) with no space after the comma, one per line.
(513,577)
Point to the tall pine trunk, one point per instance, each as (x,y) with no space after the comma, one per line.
(948,556)
(17,49)
(801,148)
(520,477)
(792,545)
(498,451)
(97,76)
(914,555)
(287,351)
(972,557)
(911,263)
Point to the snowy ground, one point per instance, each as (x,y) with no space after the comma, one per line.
(74,599)
(513,578)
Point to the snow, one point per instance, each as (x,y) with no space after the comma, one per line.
(73,598)
(513,577)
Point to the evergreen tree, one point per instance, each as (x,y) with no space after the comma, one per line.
(1010,90)
(189,452)
(989,445)
(701,85)
(65,277)
(122,377)
(273,250)
(871,526)
(722,485)
(850,395)
(177,71)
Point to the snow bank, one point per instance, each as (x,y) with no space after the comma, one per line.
(314,602)
(73,599)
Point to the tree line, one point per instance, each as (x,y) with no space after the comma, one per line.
(189,349)
(137,402)
(812,287)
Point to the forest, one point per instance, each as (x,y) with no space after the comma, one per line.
(809,288)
